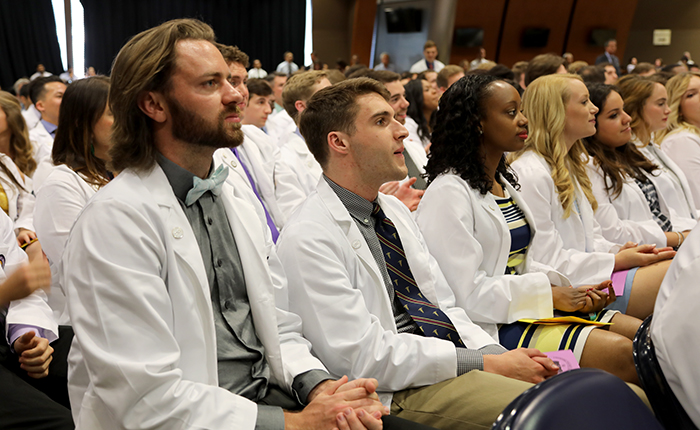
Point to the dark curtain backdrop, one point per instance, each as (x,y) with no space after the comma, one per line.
(27,38)
(263,29)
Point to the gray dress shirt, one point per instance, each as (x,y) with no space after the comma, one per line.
(242,367)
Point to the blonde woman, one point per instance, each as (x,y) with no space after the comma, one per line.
(646,103)
(16,167)
(680,140)
(552,173)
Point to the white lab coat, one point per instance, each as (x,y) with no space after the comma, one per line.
(279,125)
(574,246)
(626,217)
(421,66)
(674,328)
(673,185)
(58,203)
(31,116)
(301,161)
(42,142)
(468,235)
(277,184)
(20,202)
(32,310)
(683,148)
(412,128)
(338,290)
(140,305)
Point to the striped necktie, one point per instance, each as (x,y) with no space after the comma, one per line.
(430,318)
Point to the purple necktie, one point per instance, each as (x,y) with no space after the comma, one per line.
(270,223)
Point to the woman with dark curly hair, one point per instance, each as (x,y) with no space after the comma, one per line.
(423,99)
(479,230)
(619,174)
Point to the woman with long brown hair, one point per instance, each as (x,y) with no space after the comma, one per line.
(80,153)
(629,206)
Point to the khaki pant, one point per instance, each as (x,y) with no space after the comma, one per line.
(471,401)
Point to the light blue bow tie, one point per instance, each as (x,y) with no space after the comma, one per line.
(201,186)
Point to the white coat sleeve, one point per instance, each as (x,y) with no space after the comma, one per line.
(684,150)
(538,191)
(347,338)
(57,207)
(446,220)
(289,193)
(34,309)
(122,316)
(613,227)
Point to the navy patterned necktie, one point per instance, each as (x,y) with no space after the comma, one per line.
(430,319)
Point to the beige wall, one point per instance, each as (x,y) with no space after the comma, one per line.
(681,16)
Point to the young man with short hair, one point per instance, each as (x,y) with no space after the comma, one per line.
(372,299)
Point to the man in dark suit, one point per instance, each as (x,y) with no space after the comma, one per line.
(609,55)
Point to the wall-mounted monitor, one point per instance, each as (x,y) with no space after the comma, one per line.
(534,37)
(403,20)
(469,37)
(599,36)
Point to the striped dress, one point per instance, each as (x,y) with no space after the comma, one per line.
(546,338)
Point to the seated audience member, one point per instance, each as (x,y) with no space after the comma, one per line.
(410,190)
(592,74)
(552,175)
(680,140)
(574,67)
(448,76)
(154,265)
(644,69)
(257,72)
(29,112)
(67,76)
(279,122)
(632,64)
(385,63)
(33,374)
(353,69)
(430,76)
(423,102)
(543,64)
(519,69)
(41,72)
(288,66)
(502,72)
(16,167)
(429,60)
(46,94)
(629,206)
(486,65)
(646,103)
(371,298)
(479,60)
(17,89)
(484,256)
(673,330)
(335,76)
(610,73)
(295,153)
(568,59)
(260,102)
(80,155)
(256,164)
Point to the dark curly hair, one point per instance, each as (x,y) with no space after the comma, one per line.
(414,95)
(616,163)
(457,139)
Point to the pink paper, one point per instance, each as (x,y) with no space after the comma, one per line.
(618,280)
(564,359)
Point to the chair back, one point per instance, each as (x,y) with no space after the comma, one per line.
(666,406)
(579,399)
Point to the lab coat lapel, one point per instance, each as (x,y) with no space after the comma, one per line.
(342,217)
